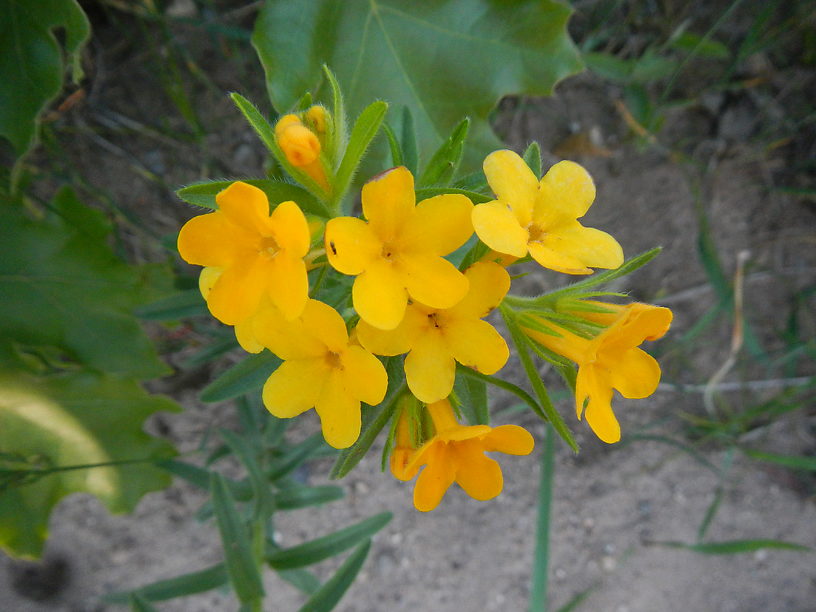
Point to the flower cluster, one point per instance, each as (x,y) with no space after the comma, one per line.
(405,299)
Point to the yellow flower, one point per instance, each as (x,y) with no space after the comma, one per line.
(611,360)
(316,117)
(398,253)
(321,369)
(456,453)
(541,217)
(437,338)
(301,147)
(258,253)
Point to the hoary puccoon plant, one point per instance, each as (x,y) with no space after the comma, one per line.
(385,317)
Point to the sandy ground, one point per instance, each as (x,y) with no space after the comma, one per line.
(613,505)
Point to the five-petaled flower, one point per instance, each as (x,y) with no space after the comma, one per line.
(611,360)
(436,338)
(321,369)
(399,252)
(256,253)
(541,217)
(456,453)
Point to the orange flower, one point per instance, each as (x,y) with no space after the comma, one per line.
(611,360)
(456,454)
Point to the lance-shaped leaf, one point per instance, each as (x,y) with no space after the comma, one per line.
(57,423)
(443,60)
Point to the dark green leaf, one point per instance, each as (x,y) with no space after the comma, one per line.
(532,157)
(247,456)
(473,394)
(248,375)
(609,67)
(394,145)
(794,462)
(329,545)
(445,161)
(139,604)
(330,593)
(710,48)
(541,559)
(301,579)
(180,586)
(203,194)
(293,498)
(409,141)
(31,66)
(295,457)
(473,53)
(363,132)
(241,566)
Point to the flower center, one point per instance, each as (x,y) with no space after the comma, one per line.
(536,233)
(333,359)
(269,246)
(387,252)
(434,320)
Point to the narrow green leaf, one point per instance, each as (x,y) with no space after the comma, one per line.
(260,487)
(139,604)
(710,513)
(295,456)
(330,593)
(363,132)
(409,141)
(203,194)
(301,579)
(184,304)
(541,559)
(393,145)
(293,498)
(628,266)
(521,342)
(794,462)
(735,547)
(340,128)
(248,375)
(576,601)
(445,161)
(327,546)
(532,157)
(502,384)
(473,394)
(609,67)
(243,572)
(179,586)
(690,42)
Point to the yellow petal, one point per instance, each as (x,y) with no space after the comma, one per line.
(388,202)
(498,228)
(351,245)
(649,322)
(592,247)
(598,412)
(237,292)
(430,368)
(513,183)
(435,478)
(569,345)
(440,225)
(339,412)
(554,260)
(324,323)
(567,191)
(364,376)
(432,280)
(463,432)
(290,229)
(294,387)
(207,279)
(400,458)
(476,344)
(509,439)
(245,206)
(245,334)
(480,476)
(288,284)
(379,296)
(211,240)
(287,339)
(602,420)
(394,341)
(634,373)
(488,284)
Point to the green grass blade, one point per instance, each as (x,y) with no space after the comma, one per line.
(301,579)
(293,498)
(541,560)
(327,546)
(393,145)
(503,384)
(330,593)
(139,604)
(445,161)
(243,571)
(794,462)
(261,494)
(409,141)
(179,586)
(248,375)
(338,112)
(735,547)
(295,456)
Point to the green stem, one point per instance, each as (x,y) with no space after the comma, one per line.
(541,562)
